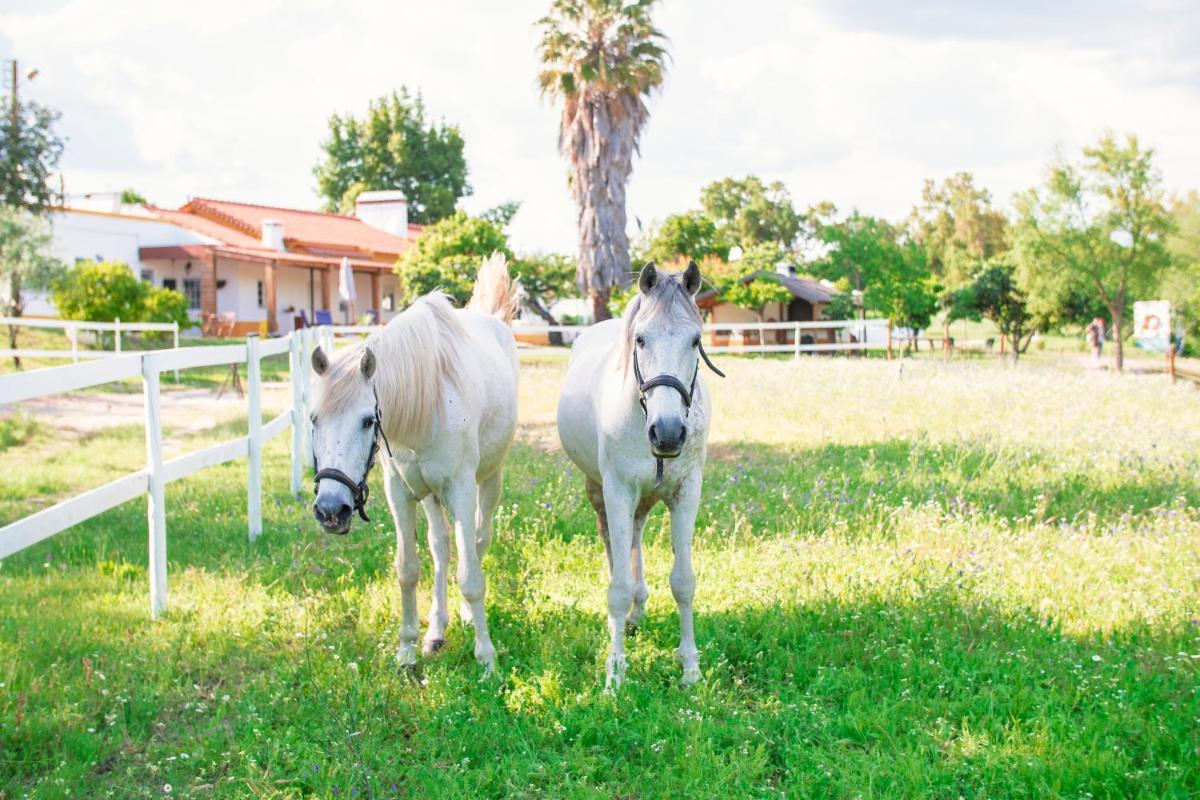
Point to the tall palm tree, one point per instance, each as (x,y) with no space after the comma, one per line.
(602,58)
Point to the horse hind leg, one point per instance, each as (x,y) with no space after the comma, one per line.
(640,590)
(438,536)
(489,500)
(595,494)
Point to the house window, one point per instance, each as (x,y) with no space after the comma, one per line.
(148,275)
(170,283)
(191,290)
(260,294)
(389,302)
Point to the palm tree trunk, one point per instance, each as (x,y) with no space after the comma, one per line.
(600,309)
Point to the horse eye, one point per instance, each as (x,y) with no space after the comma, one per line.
(368,422)
(696,342)
(641,341)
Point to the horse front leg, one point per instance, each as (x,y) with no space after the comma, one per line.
(438,535)
(462,501)
(640,591)
(408,565)
(618,511)
(683,577)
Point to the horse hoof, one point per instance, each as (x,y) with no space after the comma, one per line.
(631,628)
(691,676)
(412,672)
(431,646)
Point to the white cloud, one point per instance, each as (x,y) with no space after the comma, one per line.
(230,98)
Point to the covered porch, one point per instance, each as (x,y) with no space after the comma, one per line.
(233,291)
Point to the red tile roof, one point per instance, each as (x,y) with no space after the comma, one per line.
(322,235)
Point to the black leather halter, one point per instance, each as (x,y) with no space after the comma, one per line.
(686,393)
(361,490)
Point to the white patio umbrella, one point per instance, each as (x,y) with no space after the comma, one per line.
(346,289)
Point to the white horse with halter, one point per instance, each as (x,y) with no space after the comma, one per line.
(642,441)
(439,386)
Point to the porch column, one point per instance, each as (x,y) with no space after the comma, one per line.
(327,289)
(208,287)
(377,294)
(269,297)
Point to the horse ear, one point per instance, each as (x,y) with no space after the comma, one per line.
(368,363)
(320,361)
(648,279)
(691,278)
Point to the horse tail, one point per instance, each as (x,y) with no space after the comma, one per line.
(495,291)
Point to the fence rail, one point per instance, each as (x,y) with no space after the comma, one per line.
(72,328)
(158,472)
(796,346)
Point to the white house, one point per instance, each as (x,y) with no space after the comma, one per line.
(246,267)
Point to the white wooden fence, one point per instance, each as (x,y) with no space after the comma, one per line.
(871,334)
(72,328)
(152,480)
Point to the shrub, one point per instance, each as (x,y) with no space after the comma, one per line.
(106,291)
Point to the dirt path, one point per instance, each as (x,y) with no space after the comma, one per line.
(184,411)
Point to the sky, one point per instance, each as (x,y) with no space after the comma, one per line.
(853,101)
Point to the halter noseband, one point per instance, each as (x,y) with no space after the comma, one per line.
(686,393)
(361,490)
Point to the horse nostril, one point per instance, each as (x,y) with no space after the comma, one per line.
(682,435)
(653,436)
(344,512)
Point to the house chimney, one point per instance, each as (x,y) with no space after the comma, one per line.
(785,268)
(387,211)
(272,235)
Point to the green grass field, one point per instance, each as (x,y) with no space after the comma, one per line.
(914,580)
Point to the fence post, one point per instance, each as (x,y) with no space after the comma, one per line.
(305,376)
(254,437)
(294,367)
(889,339)
(176,324)
(1171,359)
(117,332)
(796,354)
(74,330)
(155,510)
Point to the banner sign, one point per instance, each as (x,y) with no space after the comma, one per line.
(1152,325)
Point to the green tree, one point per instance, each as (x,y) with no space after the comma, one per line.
(749,212)
(394,147)
(1100,224)
(131,197)
(108,290)
(993,294)
(29,153)
(872,256)
(1181,281)
(545,278)
(690,235)
(447,256)
(25,262)
(755,294)
(958,227)
(602,58)
(502,215)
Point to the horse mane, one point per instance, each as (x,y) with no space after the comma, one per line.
(667,298)
(416,354)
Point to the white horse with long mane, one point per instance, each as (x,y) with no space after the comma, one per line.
(640,441)
(439,385)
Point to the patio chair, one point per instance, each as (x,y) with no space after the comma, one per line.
(322,316)
(228,324)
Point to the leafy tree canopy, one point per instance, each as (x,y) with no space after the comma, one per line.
(29,153)
(394,147)
(447,256)
(872,256)
(993,294)
(690,235)
(1098,226)
(958,227)
(132,198)
(749,212)
(545,278)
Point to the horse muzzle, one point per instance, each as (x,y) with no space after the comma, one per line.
(666,437)
(333,514)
